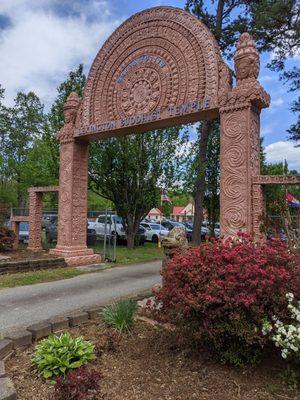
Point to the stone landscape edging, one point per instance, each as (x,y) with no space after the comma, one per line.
(30,335)
(12,266)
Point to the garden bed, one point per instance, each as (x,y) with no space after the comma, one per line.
(149,363)
(22,254)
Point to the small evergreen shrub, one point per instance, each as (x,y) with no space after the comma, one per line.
(57,355)
(7,237)
(80,384)
(120,315)
(221,291)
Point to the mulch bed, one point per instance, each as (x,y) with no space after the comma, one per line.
(24,254)
(149,364)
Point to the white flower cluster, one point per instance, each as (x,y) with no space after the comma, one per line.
(286,336)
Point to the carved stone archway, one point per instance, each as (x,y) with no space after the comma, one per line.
(162,67)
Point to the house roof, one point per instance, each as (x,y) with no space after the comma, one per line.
(178,210)
(155,211)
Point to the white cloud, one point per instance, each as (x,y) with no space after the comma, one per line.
(280,151)
(277,102)
(267,78)
(41,47)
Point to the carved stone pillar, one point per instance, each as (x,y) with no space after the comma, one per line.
(240,144)
(258,207)
(72,205)
(35,220)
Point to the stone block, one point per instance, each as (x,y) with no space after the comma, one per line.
(2,369)
(78,318)
(6,347)
(20,338)
(59,324)
(7,389)
(40,330)
(93,312)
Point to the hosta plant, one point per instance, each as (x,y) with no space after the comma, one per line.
(57,355)
(120,314)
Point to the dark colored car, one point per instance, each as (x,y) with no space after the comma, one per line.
(173,224)
(51,234)
(141,236)
(24,232)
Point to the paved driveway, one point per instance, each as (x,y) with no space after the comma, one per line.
(24,305)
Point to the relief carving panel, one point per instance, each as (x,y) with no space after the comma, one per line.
(158,58)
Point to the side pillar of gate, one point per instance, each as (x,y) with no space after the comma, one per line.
(73,180)
(35,220)
(240,142)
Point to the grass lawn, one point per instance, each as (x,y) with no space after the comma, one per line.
(148,252)
(29,278)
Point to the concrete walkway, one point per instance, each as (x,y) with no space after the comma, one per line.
(21,306)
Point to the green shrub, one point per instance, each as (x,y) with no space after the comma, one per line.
(57,355)
(221,291)
(120,314)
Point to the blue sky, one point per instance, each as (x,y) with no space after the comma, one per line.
(42,40)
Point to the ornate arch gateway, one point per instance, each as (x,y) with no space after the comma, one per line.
(162,67)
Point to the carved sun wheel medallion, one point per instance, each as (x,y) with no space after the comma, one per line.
(160,58)
(141,91)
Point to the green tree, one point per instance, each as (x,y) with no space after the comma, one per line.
(275,26)
(128,171)
(24,124)
(293,78)
(212,177)
(74,83)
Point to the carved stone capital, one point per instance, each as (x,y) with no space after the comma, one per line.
(249,93)
(71,107)
(66,134)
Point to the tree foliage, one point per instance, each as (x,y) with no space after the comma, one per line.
(23,124)
(129,171)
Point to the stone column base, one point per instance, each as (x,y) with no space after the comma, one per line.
(75,256)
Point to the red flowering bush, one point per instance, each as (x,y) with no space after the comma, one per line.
(79,384)
(7,237)
(222,290)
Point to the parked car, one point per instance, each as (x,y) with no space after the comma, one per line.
(154,232)
(111,224)
(217,230)
(168,224)
(51,234)
(48,219)
(141,236)
(24,232)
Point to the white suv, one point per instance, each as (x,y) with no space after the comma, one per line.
(154,231)
(109,224)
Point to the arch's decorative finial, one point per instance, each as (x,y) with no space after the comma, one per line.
(71,107)
(246,58)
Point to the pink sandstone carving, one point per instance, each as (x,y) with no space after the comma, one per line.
(163,67)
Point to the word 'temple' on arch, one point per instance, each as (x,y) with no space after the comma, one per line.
(159,68)
(162,67)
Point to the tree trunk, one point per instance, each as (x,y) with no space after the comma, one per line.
(219,20)
(203,140)
(200,181)
(132,228)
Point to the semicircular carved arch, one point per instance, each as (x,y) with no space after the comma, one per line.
(158,58)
